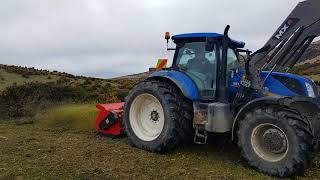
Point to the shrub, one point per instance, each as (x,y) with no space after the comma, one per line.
(112,96)
(25,76)
(127,84)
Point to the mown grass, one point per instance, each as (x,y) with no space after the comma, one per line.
(32,151)
(61,144)
(71,117)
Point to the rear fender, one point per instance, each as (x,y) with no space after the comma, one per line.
(181,80)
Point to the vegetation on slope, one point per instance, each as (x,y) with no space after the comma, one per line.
(309,68)
(26,91)
(312,52)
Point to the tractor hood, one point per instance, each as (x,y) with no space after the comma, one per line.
(283,84)
(298,85)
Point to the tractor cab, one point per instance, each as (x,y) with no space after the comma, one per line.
(199,56)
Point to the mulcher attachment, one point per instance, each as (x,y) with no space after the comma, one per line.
(109,120)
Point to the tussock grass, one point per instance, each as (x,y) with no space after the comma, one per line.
(79,117)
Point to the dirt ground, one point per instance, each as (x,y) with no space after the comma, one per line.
(31,151)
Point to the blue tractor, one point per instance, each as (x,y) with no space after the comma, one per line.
(216,86)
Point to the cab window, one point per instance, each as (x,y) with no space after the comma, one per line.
(200,66)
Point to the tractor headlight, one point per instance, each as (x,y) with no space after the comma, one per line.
(310,90)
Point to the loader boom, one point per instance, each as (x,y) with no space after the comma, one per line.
(288,43)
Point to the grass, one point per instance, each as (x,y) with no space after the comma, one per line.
(30,152)
(8,79)
(71,117)
(60,144)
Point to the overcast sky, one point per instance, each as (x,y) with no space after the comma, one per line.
(109,38)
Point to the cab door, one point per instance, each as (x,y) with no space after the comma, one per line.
(200,65)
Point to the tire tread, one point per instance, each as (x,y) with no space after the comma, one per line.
(300,161)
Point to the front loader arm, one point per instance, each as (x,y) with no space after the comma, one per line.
(288,43)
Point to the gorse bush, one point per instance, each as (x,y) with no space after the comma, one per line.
(127,84)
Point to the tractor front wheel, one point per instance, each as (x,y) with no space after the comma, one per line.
(276,141)
(157,117)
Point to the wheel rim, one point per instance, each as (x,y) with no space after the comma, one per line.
(269,142)
(146,117)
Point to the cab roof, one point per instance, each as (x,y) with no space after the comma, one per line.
(190,36)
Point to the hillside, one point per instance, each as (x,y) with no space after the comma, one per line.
(47,128)
(309,64)
(134,76)
(17,75)
(312,52)
(26,91)
(309,68)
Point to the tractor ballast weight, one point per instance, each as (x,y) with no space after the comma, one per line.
(274,115)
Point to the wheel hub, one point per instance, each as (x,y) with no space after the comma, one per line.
(146,117)
(154,116)
(274,140)
(269,142)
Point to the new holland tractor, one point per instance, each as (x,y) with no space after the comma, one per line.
(216,86)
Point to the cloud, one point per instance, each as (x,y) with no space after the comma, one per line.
(118,37)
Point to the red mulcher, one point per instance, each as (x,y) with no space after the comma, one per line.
(109,120)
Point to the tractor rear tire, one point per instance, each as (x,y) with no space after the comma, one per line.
(276,141)
(158,117)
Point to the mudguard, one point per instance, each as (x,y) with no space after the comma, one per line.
(308,107)
(183,82)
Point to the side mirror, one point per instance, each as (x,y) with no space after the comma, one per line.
(210,42)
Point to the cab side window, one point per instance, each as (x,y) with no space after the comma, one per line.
(233,62)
